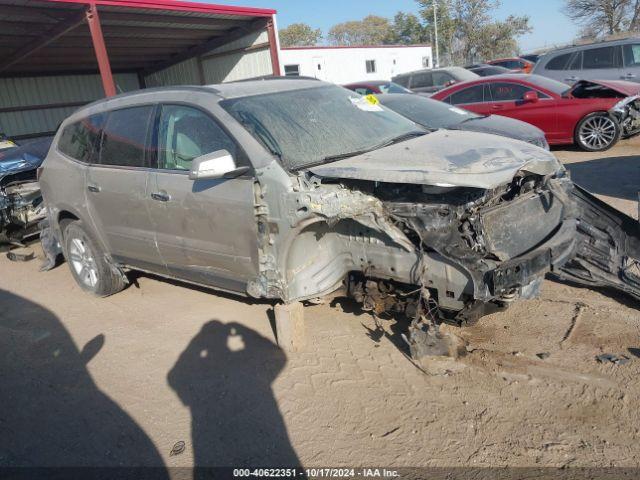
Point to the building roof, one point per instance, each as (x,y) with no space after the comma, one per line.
(52,36)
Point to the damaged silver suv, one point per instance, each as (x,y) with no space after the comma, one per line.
(291,189)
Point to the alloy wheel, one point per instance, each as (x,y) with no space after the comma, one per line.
(83,262)
(598,132)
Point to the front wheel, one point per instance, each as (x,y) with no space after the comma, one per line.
(87,263)
(597,132)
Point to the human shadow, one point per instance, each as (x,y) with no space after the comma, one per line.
(224,376)
(52,413)
(613,176)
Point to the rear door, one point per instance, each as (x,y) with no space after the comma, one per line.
(602,63)
(117,188)
(422,82)
(206,229)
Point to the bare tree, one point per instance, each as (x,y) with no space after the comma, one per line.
(601,17)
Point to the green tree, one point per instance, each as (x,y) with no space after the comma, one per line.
(299,35)
(371,30)
(467,32)
(406,29)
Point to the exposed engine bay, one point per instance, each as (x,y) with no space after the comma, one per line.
(445,254)
(627,113)
(21,208)
(21,205)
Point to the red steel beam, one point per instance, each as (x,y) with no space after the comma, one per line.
(273,47)
(101,50)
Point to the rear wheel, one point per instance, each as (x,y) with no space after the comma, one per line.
(87,263)
(597,132)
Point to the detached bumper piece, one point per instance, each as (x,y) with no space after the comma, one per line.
(607,249)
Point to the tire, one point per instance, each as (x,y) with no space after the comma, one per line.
(597,132)
(87,262)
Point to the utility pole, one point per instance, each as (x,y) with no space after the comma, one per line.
(436,63)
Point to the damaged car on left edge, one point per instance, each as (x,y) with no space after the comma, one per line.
(21,206)
(291,190)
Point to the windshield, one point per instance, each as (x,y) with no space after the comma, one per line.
(427,112)
(548,83)
(309,126)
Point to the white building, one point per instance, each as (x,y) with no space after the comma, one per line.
(354,64)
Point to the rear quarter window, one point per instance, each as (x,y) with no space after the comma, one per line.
(80,139)
(559,62)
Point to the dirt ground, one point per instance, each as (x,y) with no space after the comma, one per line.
(123,380)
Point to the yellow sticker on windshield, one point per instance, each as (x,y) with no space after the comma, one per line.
(372,99)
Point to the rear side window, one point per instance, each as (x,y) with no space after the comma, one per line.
(511,64)
(79,140)
(468,95)
(186,133)
(421,80)
(404,81)
(603,57)
(124,139)
(441,78)
(559,62)
(632,55)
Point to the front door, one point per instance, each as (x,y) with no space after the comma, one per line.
(507,99)
(117,189)
(205,229)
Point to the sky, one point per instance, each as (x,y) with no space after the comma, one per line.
(550,25)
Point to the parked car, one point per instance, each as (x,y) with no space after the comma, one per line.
(613,60)
(514,64)
(433,114)
(488,70)
(593,115)
(432,80)
(292,189)
(20,200)
(532,57)
(376,86)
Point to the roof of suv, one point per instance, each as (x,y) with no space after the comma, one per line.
(222,90)
(603,43)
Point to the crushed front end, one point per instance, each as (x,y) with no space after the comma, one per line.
(21,208)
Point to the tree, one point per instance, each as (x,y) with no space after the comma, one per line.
(467,31)
(601,17)
(406,29)
(299,35)
(371,30)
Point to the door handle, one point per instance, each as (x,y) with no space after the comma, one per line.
(572,78)
(497,107)
(93,188)
(161,196)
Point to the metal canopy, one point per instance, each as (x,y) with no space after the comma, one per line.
(48,37)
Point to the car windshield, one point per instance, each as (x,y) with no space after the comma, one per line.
(548,83)
(317,125)
(427,112)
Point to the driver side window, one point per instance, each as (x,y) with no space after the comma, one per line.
(185,133)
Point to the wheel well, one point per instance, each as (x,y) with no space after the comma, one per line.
(64,218)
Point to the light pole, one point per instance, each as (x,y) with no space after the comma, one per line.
(435,30)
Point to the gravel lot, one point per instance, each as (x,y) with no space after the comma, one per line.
(119,381)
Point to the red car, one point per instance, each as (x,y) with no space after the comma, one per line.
(592,114)
(515,64)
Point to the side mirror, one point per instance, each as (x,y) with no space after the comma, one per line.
(530,97)
(218,164)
